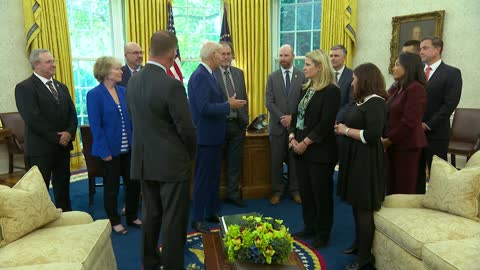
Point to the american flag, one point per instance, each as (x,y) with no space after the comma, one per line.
(225,32)
(174,71)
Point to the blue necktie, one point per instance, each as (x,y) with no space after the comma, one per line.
(287,81)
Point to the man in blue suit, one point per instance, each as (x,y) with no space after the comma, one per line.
(209,109)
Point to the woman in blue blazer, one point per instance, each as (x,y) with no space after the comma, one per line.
(112,136)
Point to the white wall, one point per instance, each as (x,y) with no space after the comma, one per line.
(13,55)
(461,36)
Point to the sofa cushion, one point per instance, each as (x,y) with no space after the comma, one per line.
(25,207)
(453,191)
(411,228)
(474,160)
(439,255)
(66,244)
(50,266)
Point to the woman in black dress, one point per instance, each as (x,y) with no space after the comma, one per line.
(361,178)
(313,141)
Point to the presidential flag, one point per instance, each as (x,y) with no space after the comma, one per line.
(225,32)
(174,71)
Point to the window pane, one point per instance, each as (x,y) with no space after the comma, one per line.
(299,63)
(287,1)
(287,18)
(305,1)
(317,15)
(316,40)
(304,17)
(303,43)
(287,38)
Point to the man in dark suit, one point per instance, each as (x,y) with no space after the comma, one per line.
(50,124)
(343,78)
(444,88)
(281,98)
(133,61)
(209,111)
(163,148)
(232,82)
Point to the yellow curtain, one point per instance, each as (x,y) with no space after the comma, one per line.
(339,26)
(46,26)
(250,30)
(143,18)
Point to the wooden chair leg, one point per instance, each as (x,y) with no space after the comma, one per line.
(10,163)
(453,160)
(91,190)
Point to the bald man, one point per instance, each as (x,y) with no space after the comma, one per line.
(282,95)
(133,61)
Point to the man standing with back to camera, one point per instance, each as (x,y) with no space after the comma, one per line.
(281,99)
(232,82)
(163,147)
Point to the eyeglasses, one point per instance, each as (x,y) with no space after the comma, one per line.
(136,52)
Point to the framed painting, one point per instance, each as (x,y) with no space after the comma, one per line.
(414,26)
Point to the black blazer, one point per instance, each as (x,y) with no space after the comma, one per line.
(319,120)
(240,91)
(346,93)
(126,76)
(443,94)
(164,138)
(44,117)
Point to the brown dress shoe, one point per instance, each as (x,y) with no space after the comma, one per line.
(275,200)
(297,198)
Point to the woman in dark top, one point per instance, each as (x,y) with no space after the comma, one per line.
(112,136)
(361,180)
(313,141)
(405,137)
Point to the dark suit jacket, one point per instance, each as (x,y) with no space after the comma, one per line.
(208,106)
(443,94)
(277,101)
(319,120)
(346,93)
(44,117)
(164,139)
(405,113)
(126,76)
(240,90)
(106,122)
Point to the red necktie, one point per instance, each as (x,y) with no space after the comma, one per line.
(427,73)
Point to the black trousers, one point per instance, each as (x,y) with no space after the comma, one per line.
(233,147)
(55,165)
(280,153)
(165,210)
(113,169)
(316,190)
(434,147)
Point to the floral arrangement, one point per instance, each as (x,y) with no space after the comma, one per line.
(258,240)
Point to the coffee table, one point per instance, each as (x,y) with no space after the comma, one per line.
(215,257)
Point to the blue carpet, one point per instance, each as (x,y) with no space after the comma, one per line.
(127,248)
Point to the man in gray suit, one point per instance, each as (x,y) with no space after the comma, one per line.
(281,98)
(164,142)
(344,78)
(232,82)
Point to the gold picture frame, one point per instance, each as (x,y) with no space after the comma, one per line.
(414,26)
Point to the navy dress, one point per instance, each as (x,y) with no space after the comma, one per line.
(361,178)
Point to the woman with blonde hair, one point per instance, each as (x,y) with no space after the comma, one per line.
(313,140)
(112,137)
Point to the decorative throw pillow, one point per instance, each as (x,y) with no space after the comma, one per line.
(25,207)
(474,160)
(453,191)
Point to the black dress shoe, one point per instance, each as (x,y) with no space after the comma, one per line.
(237,202)
(358,266)
(305,234)
(199,227)
(353,249)
(213,219)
